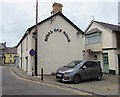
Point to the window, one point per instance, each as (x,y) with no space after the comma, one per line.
(10,61)
(88,64)
(93,38)
(99,37)
(105,58)
(94,64)
(72,64)
(10,55)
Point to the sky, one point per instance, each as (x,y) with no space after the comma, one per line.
(17,16)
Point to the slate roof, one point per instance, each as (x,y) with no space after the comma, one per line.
(11,50)
(2,45)
(112,27)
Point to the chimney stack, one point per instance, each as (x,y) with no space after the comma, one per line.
(57,7)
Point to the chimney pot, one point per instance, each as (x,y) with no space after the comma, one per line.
(57,7)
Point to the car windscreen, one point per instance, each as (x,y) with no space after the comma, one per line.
(72,64)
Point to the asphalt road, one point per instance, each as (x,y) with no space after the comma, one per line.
(14,86)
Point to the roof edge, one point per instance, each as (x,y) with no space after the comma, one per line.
(59,13)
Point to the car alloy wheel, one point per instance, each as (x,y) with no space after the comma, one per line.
(77,79)
(99,76)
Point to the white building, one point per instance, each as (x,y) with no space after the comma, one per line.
(101,43)
(59,41)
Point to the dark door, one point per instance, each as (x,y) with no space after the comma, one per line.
(26,64)
(119,63)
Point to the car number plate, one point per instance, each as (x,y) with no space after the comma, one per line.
(59,75)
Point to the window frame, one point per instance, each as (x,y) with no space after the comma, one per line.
(93,38)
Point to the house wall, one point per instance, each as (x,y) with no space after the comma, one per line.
(117,39)
(113,60)
(9,58)
(57,51)
(118,51)
(1,58)
(31,59)
(2,54)
(19,55)
(114,40)
(24,55)
(23,50)
(108,45)
(96,47)
(107,39)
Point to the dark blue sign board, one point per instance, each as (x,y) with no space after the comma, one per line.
(32,52)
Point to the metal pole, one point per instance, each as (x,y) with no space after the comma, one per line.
(36,30)
(41,74)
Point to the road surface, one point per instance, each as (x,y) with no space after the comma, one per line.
(14,86)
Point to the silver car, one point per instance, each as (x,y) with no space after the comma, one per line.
(80,70)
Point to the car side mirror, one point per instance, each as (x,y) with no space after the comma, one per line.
(84,67)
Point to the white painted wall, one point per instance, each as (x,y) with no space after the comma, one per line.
(31,59)
(57,51)
(114,42)
(113,60)
(19,54)
(25,53)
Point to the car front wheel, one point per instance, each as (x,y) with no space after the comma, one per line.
(77,79)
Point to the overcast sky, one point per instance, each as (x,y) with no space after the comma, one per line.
(18,15)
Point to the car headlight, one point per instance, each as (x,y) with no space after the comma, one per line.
(68,71)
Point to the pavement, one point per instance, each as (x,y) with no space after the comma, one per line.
(109,85)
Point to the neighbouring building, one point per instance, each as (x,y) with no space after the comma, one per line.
(10,55)
(2,53)
(59,41)
(102,44)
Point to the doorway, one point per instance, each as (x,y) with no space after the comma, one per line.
(119,64)
(26,64)
(105,63)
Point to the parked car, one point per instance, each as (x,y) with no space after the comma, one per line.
(79,70)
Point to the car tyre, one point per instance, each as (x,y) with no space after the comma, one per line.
(77,79)
(99,76)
